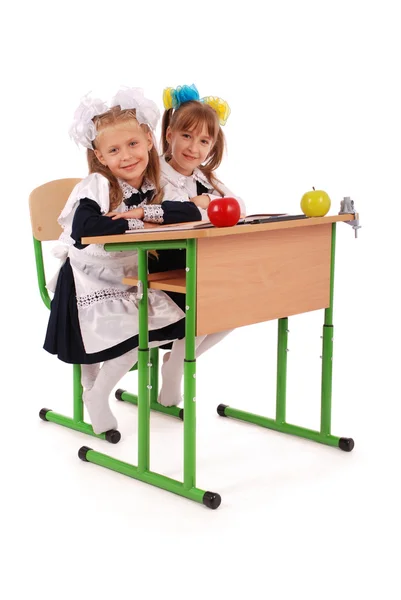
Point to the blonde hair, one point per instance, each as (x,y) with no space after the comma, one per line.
(152,172)
(190,116)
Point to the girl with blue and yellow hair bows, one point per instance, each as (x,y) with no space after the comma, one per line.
(193,145)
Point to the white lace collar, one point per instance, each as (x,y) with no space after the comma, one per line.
(128,189)
(175,178)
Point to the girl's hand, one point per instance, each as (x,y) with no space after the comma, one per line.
(201,201)
(150,225)
(134,213)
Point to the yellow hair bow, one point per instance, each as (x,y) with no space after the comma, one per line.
(168,98)
(174,97)
(219,106)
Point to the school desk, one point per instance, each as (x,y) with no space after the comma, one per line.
(234,276)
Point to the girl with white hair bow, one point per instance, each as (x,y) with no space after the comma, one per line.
(94,316)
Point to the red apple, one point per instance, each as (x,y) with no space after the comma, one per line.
(224,212)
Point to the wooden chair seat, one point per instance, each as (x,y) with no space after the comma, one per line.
(168,281)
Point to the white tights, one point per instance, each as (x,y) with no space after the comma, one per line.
(96,398)
(173,367)
(98,382)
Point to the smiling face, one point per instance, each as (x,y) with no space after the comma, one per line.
(189,149)
(124,148)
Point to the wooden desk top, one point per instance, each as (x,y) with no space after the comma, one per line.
(214,231)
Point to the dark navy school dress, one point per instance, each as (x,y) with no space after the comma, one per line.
(63,336)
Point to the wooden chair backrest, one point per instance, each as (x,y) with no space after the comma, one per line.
(45,204)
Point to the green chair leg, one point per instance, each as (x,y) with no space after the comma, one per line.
(77,422)
(39,198)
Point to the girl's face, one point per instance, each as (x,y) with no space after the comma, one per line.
(124,149)
(189,149)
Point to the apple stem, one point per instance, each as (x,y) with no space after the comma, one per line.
(313,188)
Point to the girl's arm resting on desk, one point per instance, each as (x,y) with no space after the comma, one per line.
(179,212)
(167,213)
(89,221)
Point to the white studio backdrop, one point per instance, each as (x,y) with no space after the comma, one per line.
(315,101)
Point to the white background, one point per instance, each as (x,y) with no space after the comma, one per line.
(314,93)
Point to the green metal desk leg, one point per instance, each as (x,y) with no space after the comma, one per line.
(346,444)
(281,384)
(173,411)
(142,472)
(210,499)
(279,423)
(143,368)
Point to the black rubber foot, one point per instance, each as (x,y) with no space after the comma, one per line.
(82,453)
(43,412)
(211,500)
(119,394)
(346,444)
(113,436)
(181,414)
(220,410)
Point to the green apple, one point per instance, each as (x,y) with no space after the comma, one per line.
(315,203)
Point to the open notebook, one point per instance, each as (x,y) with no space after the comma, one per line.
(250,219)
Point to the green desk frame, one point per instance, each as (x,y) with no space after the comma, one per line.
(148,379)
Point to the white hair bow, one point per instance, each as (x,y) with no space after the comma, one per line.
(83,130)
(146,110)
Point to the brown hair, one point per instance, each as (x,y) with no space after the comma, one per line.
(152,173)
(193,115)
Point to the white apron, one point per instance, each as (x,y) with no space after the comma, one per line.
(107,308)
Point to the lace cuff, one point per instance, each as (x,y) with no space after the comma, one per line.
(135,224)
(153,213)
